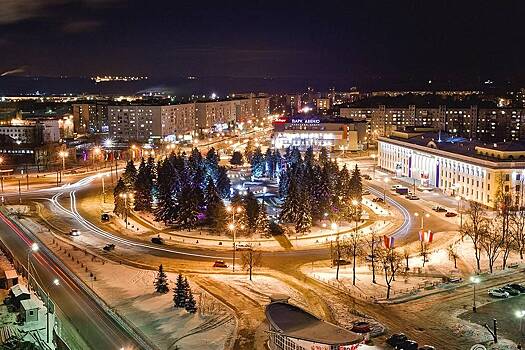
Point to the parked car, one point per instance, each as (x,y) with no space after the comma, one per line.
(341,262)
(366,177)
(426,347)
(518,287)
(402,190)
(361,327)
(74,232)
(366,192)
(394,187)
(396,339)
(512,292)
(450,214)
(408,345)
(378,200)
(104,217)
(412,197)
(498,293)
(109,247)
(157,240)
(220,263)
(243,246)
(439,209)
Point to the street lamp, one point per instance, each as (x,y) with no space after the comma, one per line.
(335,228)
(231,226)
(520,314)
(475,280)
(33,249)
(126,195)
(423,216)
(96,152)
(101,176)
(386,180)
(374,165)
(55,283)
(63,155)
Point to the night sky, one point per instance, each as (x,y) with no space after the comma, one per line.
(362,41)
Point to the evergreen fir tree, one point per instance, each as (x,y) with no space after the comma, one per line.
(257,163)
(356,185)
(323,156)
(215,209)
(191,305)
(309,158)
(269,164)
(251,208)
(284,182)
(188,200)
(321,194)
(167,206)
(291,206)
(295,157)
(248,151)
(143,188)
(161,281)
(212,164)
(277,161)
(303,221)
(120,188)
(236,158)
(179,292)
(262,224)
(130,175)
(223,183)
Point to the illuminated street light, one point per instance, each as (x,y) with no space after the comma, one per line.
(126,195)
(520,314)
(63,155)
(386,180)
(475,280)
(426,215)
(231,226)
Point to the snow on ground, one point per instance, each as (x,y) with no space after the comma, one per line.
(261,288)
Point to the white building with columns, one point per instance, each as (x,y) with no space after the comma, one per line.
(459,167)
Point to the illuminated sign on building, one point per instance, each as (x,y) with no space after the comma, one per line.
(306,121)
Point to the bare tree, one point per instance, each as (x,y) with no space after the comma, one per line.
(406,255)
(453,254)
(373,242)
(390,261)
(354,248)
(517,230)
(424,251)
(492,242)
(250,259)
(474,228)
(504,204)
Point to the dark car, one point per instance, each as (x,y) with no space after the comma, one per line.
(518,287)
(366,177)
(104,217)
(378,200)
(439,209)
(157,240)
(513,292)
(220,263)
(341,262)
(426,347)
(397,339)
(361,327)
(109,247)
(408,345)
(450,214)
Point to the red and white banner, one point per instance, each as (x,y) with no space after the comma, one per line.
(426,236)
(388,242)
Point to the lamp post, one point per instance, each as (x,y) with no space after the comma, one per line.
(385,182)
(423,216)
(103,187)
(33,249)
(96,152)
(232,228)
(475,280)
(374,166)
(520,314)
(55,283)
(63,155)
(460,211)
(335,228)
(126,195)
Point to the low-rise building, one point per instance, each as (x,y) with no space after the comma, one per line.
(333,133)
(470,169)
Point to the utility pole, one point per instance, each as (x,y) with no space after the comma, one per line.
(19,192)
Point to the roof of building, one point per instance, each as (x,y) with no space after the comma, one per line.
(457,145)
(10,274)
(30,304)
(295,322)
(19,289)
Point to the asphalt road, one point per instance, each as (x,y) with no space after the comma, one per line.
(92,323)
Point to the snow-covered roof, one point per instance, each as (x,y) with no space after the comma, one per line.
(19,289)
(30,304)
(10,274)
(297,323)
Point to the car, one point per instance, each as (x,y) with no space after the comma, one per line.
(450,214)
(243,246)
(426,347)
(104,217)
(378,200)
(512,292)
(395,187)
(366,177)
(366,192)
(74,232)
(439,209)
(412,197)
(396,339)
(157,240)
(498,293)
(408,345)
(220,263)
(518,287)
(361,327)
(109,247)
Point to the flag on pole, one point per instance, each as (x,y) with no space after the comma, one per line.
(426,236)
(388,241)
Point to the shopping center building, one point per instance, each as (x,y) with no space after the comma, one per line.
(292,328)
(317,131)
(470,169)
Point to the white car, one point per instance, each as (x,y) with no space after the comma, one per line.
(74,232)
(243,246)
(498,293)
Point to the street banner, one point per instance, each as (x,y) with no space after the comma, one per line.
(388,242)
